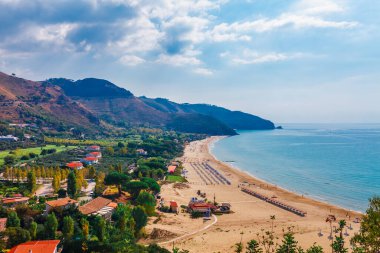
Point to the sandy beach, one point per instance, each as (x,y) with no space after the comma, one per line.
(250,214)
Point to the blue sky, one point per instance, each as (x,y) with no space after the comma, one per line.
(288,61)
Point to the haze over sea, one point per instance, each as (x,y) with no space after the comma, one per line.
(338,164)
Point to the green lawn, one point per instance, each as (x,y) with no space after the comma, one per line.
(37,150)
(172,178)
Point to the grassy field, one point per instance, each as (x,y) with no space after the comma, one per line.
(172,178)
(37,150)
(101,142)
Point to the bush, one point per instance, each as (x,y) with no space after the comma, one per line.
(25,157)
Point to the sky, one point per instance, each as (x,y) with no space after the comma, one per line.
(287,61)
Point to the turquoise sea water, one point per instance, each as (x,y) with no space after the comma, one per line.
(339,164)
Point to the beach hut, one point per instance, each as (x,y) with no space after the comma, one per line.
(173,206)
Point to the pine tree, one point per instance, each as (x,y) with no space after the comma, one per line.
(72,184)
(68,227)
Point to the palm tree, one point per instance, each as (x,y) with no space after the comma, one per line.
(272,217)
(331,218)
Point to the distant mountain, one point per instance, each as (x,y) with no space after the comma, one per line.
(34,102)
(94,104)
(234,119)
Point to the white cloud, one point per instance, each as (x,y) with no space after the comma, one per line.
(178,60)
(203,71)
(321,7)
(253,57)
(131,60)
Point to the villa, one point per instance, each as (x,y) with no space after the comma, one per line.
(14,201)
(93,148)
(171,168)
(8,138)
(75,165)
(99,206)
(60,204)
(141,151)
(94,154)
(90,160)
(45,246)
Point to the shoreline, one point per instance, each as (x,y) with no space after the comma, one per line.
(214,139)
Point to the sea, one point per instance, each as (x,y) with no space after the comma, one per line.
(338,164)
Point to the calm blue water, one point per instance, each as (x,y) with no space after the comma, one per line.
(339,164)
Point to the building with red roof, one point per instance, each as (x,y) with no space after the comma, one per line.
(90,160)
(99,206)
(201,207)
(3,224)
(60,204)
(75,165)
(94,154)
(46,246)
(12,202)
(173,206)
(171,169)
(93,148)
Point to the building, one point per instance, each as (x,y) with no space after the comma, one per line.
(14,201)
(60,204)
(171,168)
(99,206)
(173,206)
(90,160)
(201,207)
(75,165)
(94,154)
(8,138)
(93,148)
(46,246)
(3,224)
(141,151)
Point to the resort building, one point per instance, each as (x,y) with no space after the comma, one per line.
(75,165)
(8,138)
(46,246)
(60,204)
(90,160)
(94,154)
(93,148)
(14,201)
(99,206)
(141,151)
(201,207)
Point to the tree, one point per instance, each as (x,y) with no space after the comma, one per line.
(315,249)
(56,183)
(238,247)
(16,235)
(140,217)
(9,159)
(62,193)
(110,151)
(31,181)
(116,178)
(289,244)
(85,228)
(51,226)
(134,188)
(368,238)
(91,172)
(148,201)
(152,184)
(100,228)
(68,227)
(13,220)
(253,247)
(72,184)
(33,230)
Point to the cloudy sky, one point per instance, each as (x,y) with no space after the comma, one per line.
(289,61)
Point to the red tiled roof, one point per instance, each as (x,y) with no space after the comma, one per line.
(14,200)
(173,204)
(46,246)
(202,205)
(3,224)
(95,153)
(94,205)
(91,158)
(172,168)
(94,147)
(61,202)
(74,164)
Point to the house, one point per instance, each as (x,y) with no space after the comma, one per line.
(173,206)
(46,246)
(75,165)
(93,148)
(141,151)
(94,154)
(171,168)
(3,224)
(60,204)
(99,206)
(8,138)
(90,160)
(201,207)
(14,201)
